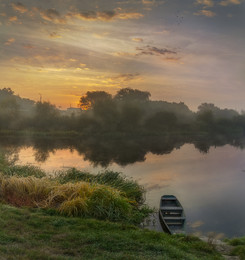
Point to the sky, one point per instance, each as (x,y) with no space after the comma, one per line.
(190,51)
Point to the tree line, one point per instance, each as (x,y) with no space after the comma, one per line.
(129,111)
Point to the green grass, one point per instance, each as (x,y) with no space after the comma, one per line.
(77,215)
(80,198)
(239,247)
(129,187)
(39,234)
(9,168)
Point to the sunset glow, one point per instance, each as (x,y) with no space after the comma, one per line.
(190,51)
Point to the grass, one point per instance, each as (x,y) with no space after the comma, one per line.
(41,234)
(77,215)
(9,168)
(129,187)
(79,198)
(239,247)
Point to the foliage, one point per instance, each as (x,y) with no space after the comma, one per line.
(129,111)
(91,98)
(46,116)
(128,94)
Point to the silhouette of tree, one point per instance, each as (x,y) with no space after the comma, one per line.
(46,116)
(91,98)
(161,121)
(128,94)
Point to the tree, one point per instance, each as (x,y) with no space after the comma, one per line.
(217,112)
(91,98)
(161,121)
(6,92)
(46,115)
(128,94)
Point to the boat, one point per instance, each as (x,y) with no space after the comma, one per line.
(171,215)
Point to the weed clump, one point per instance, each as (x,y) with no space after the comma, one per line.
(84,199)
(130,188)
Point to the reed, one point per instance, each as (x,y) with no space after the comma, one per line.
(25,191)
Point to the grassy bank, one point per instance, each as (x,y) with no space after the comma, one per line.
(77,215)
(40,234)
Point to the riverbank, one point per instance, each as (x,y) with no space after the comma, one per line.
(77,215)
(39,234)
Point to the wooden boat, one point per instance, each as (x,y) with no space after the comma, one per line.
(171,215)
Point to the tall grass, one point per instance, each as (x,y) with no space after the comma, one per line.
(9,168)
(25,191)
(107,195)
(130,188)
(71,199)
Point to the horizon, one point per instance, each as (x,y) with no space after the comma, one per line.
(188,51)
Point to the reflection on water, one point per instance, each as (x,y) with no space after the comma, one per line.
(209,185)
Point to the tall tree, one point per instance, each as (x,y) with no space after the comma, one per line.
(128,94)
(91,98)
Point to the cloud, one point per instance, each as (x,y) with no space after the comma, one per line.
(49,59)
(137,39)
(28,46)
(230,2)
(105,15)
(205,3)
(125,77)
(55,35)
(19,7)
(52,15)
(148,2)
(124,54)
(127,16)
(101,35)
(207,13)
(9,41)
(13,19)
(151,50)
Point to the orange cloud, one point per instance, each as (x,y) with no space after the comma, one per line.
(230,2)
(207,13)
(13,19)
(126,16)
(9,41)
(206,3)
(137,39)
(28,46)
(52,15)
(105,15)
(19,7)
(55,35)
(125,77)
